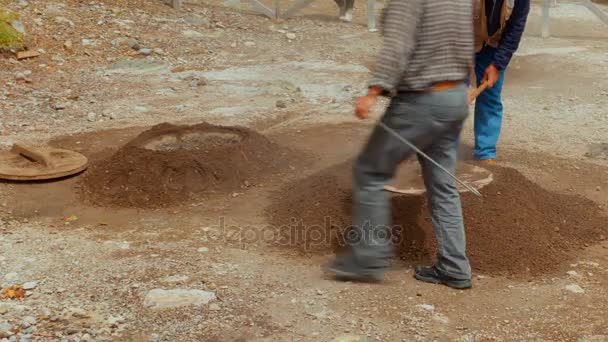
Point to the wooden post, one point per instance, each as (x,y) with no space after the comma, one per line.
(545,28)
(371,15)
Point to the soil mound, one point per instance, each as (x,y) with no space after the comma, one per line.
(169,165)
(517,229)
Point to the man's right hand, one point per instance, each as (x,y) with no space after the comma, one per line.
(364,104)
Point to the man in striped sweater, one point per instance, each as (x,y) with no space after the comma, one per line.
(423,67)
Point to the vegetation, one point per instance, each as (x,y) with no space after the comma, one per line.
(9,37)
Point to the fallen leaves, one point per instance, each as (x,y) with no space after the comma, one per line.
(13,292)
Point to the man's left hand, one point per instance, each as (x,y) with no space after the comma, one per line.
(492,75)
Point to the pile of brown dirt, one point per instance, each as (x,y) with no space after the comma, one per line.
(517,229)
(169,165)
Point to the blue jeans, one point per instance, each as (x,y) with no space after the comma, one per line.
(433,123)
(488,109)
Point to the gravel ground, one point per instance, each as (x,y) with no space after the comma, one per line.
(96,274)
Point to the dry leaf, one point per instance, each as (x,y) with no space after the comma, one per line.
(13,292)
(71,218)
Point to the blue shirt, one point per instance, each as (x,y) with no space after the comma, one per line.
(513,32)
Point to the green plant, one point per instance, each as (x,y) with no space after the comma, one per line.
(9,37)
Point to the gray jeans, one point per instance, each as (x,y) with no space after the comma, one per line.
(432,122)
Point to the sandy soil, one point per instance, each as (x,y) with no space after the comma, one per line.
(293,82)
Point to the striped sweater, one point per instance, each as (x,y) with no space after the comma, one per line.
(425,41)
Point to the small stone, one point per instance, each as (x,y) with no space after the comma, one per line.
(53,10)
(86,338)
(68,45)
(427,307)
(22,3)
(30,320)
(350,338)
(114,321)
(30,285)
(193,34)
(249,43)
(441,318)
(127,42)
(574,288)
(159,51)
(145,52)
(59,106)
(176,279)
(79,313)
(92,117)
(196,20)
(233,45)
(573,274)
(86,42)
(18,26)
(6,330)
(214,307)
(203,250)
(11,277)
(281,104)
(290,36)
(598,189)
(163,299)
(141,109)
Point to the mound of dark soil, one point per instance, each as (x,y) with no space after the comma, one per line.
(517,229)
(169,165)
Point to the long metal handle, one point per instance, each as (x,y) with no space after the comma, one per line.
(390,130)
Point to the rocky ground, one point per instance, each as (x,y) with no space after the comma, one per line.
(109,69)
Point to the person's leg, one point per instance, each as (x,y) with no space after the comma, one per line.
(342,7)
(445,206)
(452,267)
(371,248)
(348,10)
(488,110)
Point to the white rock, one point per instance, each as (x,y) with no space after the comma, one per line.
(5,330)
(193,34)
(573,274)
(163,299)
(427,307)
(114,321)
(145,51)
(30,285)
(79,313)
(441,318)
(214,307)
(203,250)
(176,279)
(141,109)
(18,26)
(574,288)
(87,42)
(11,277)
(30,320)
(92,117)
(290,36)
